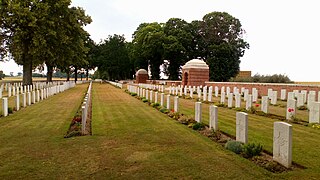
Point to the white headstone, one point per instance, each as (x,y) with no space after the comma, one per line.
(254,95)
(304,92)
(270,93)
(168,102)
(198,112)
(291,108)
(311,98)
(300,101)
(282,143)
(314,113)
(238,100)
(24,100)
(147,94)
(17,102)
(5,106)
(230,100)
(246,93)
(249,102)
(291,95)
(213,117)
(223,97)
(176,104)
(283,94)
(156,97)
(162,99)
(274,96)
(151,96)
(242,127)
(210,94)
(264,104)
(216,91)
(33,97)
(205,95)
(29,98)
(9,91)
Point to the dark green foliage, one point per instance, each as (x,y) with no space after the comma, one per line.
(234,146)
(276,78)
(112,59)
(198,126)
(133,94)
(251,149)
(155,104)
(10,110)
(145,100)
(164,110)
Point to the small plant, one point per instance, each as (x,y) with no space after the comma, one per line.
(302,108)
(183,119)
(251,149)
(10,110)
(240,109)
(133,94)
(234,146)
(173,114)
(155,104)
(221,105)
(316,126)
(252,110)
(164,110)
(144,100)
(198,126)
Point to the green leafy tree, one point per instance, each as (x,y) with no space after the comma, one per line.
(35,32)
(112,58)
(148,40)
(178,43)
(222,37)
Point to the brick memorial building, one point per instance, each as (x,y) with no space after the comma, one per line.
(195,73)
(142,76)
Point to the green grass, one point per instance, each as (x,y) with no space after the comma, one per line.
(131,140)
(305,139)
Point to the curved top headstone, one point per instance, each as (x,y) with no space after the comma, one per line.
(195,63)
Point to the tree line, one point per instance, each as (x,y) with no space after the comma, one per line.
(46,32)
(217,39)
(50,33)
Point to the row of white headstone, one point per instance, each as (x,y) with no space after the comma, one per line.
(34,96)
(115,84)
(302,98)
(85,109)
(282,144)
(13,89)
(282,133)
(152,96)
(154,87)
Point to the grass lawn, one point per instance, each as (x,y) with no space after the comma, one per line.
(130,141)
(305,139)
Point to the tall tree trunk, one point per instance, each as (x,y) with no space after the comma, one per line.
(49,73)
(75,74)
(87,74)
(27,72)
(68,74)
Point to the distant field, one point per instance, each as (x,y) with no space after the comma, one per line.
(308,83)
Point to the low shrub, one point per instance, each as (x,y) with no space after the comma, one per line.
(302,108)
(234,146)
(240,109)
(144,100)
(10,110)
(183,119)
(198,126)
(155,104)
(221,105)
(251,149)
(133,94)
(164,110)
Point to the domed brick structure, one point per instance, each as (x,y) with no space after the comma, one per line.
(142,76)
(195,73)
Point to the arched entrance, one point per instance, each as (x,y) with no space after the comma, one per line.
(185,79)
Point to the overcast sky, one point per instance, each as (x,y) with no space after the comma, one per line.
(284,35)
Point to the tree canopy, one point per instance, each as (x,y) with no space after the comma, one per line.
(37,32)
